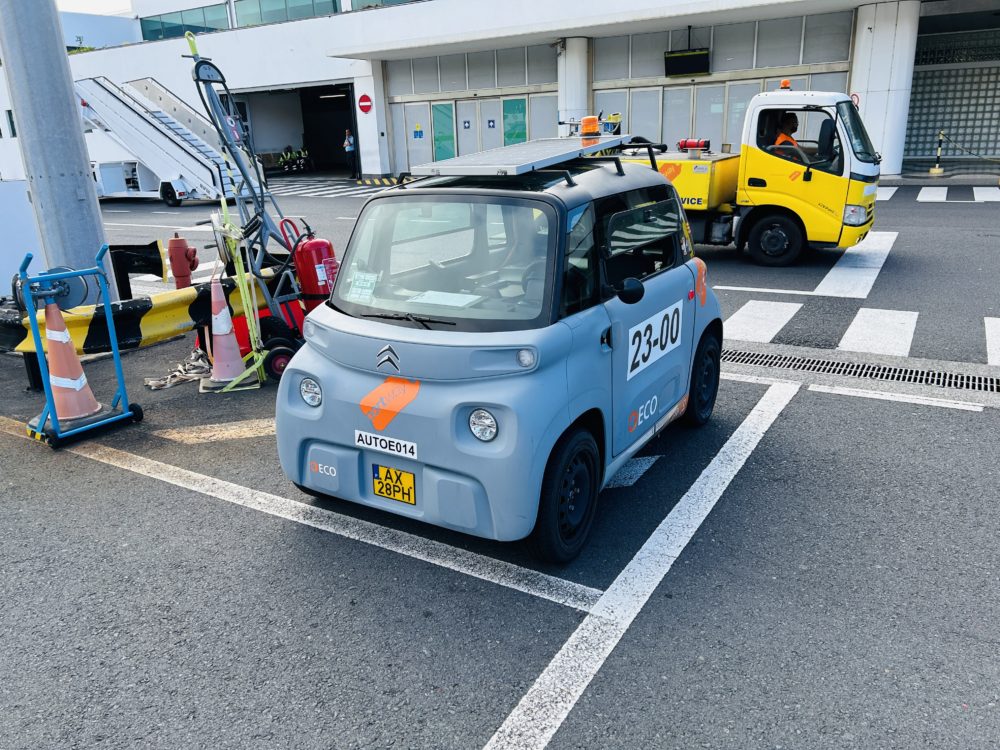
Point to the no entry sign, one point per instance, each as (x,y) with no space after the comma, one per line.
(365,103)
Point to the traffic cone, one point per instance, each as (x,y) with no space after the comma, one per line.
(227,363)
(70,390)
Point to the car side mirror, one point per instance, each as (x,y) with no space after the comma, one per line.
(632,291)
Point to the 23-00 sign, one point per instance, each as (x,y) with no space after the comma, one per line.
(653,338)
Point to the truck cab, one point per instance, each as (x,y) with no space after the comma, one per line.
(503,336)
(815,188)
(819,191)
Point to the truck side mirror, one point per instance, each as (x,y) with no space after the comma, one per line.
(632,291)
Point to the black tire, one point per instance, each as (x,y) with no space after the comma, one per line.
(705,372)
(568,499)
(775,240)
(169,196)
(137,413)
(276,328)
(276,360)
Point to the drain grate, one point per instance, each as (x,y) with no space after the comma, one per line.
(938,378)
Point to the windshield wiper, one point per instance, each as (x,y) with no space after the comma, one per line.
(422,320)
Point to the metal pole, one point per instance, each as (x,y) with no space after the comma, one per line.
(50,131)
(936,170)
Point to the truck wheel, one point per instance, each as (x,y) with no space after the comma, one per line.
(704,381)
(169,196)
(569,498)
(775,240)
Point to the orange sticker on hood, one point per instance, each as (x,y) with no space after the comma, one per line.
(390,398)
(670,170)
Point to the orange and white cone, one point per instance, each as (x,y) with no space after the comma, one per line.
(227,363)
(71,395)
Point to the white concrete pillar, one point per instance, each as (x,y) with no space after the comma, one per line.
(885,43)
(372,135)
(573,75)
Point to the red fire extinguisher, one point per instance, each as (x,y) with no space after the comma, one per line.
(316,266)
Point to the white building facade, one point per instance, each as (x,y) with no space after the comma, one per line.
(448,77)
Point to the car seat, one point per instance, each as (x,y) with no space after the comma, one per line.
(824,149)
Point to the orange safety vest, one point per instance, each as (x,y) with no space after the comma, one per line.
(785,138)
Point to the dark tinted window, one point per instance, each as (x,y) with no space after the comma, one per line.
(639,233)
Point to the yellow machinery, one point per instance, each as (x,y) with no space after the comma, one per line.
(816,190)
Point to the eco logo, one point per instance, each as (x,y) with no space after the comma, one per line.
(318,468)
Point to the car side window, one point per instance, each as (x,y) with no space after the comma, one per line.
(641,234)
(807,137)
(581,272)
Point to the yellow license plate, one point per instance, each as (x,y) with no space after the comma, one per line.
(394,484)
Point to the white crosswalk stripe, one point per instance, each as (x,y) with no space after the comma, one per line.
(885,193)
(992,341)
(319,187)
(932,195)
(880,332)
(986,194)
(759,321)
(855,272)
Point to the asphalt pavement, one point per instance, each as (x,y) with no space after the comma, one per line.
(815,568)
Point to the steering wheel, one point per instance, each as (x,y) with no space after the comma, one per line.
(788,151)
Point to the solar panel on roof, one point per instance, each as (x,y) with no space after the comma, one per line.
(520,158)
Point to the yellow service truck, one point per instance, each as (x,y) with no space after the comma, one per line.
(780,194)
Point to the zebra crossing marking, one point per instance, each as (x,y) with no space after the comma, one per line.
(855,272)
(932,195)
(885,193)
(759,321)
(986,194)
(992,340)
(320,188)
(873,331)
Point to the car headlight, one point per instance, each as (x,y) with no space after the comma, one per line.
(310,391)
(854,216)
(483,425)
(526,358)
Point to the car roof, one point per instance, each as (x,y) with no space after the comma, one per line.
(592,179)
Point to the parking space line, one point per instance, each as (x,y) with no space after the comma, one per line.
(759,321)
(631,472)
(901,397)
(198,434)
(458,560)
(992,340)
(880,332)
(855,272)
(542,710)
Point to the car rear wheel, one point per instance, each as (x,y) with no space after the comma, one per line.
(568,500)
(775,240)
(705,374)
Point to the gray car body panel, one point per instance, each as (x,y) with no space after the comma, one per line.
(487,489)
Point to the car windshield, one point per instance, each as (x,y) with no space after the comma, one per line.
(472,263)
(856,133)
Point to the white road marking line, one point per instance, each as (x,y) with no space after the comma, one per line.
(631,472)
(992,340)
(542,710)
(759,321)
(986,194)
(756,379)
(160,226)
(880,332)
(168,213)
(901,397)
(498,572)
(765,290)
(346,218)
(933,195)
(854,274)
(116,211)
(885,193)
(248,428)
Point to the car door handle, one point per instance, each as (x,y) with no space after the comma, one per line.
(756,182)
(606,338)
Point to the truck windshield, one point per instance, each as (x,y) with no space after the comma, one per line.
(471,263)
(856,133)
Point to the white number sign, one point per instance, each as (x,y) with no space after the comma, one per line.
(653,338)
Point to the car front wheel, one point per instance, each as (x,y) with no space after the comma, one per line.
(705,372)
(568,500)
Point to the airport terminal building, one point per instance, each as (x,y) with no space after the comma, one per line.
(421,80)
